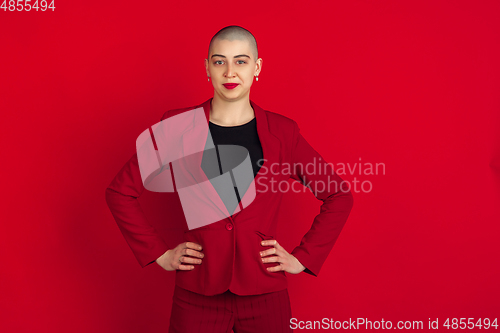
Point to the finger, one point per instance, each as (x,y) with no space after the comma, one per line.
(276,268)
(269,252)
(185,267)
(268,242)
(271,259)
(193,253)
(277,245)
(190,260)
(271,242)
(192,245)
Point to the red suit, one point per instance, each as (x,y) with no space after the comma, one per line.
(232,245)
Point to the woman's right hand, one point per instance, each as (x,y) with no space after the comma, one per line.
(188,252)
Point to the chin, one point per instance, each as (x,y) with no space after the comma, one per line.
(232,95)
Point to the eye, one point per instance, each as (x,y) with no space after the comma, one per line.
(216,62)
(242,61)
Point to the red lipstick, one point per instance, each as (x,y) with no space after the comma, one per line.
(230,85)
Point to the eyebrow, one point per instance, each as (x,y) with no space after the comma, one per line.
(238,56)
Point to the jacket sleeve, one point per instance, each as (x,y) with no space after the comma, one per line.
(337,200)
(121,197)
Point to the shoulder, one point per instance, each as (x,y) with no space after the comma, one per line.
(174,112)
(283,127)
(280,123)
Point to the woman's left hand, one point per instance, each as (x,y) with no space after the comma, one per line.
(287,262)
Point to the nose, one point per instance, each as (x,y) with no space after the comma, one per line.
(230,70)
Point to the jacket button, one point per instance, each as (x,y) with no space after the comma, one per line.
(229,226)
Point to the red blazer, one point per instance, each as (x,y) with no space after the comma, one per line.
(232,245)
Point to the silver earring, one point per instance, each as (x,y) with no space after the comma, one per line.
(256,78)
(209,79)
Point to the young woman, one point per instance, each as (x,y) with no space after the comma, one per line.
(230,274)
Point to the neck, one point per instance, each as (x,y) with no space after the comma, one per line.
(230,113)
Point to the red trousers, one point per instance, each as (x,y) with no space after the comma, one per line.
(227,312)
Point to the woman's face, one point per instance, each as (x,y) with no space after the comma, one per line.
(232,62)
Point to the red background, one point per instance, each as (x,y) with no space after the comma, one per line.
(413,85)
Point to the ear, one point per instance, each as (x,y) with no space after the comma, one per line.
(258,66)
(206,66)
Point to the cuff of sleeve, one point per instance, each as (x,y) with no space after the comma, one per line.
(305,259)
(156,252)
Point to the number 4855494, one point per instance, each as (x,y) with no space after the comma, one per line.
(27,5)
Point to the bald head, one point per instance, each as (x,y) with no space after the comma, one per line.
(235,32)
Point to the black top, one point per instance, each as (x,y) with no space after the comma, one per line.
(242,135)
